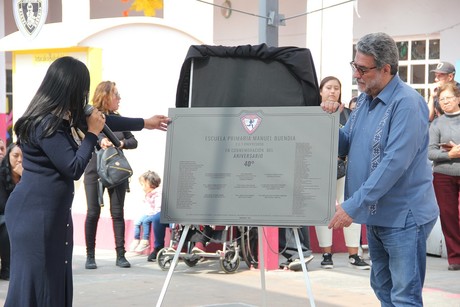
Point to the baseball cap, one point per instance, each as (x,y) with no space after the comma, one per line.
(445,68)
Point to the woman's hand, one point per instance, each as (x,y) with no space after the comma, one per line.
(105,143)
(454,151)
(95,121)
(18,169)
(159,122)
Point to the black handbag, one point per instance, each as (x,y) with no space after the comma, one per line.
(112,167)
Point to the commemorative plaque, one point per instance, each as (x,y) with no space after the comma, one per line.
(269,166)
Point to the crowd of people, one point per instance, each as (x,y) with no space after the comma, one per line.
(402,157)
(444,152)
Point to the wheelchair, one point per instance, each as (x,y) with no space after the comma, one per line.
(228,256)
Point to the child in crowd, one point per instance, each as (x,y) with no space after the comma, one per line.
(150,181)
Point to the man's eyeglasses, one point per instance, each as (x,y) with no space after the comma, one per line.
(447,99)
(361,69)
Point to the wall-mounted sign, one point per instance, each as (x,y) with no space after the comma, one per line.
(30,16)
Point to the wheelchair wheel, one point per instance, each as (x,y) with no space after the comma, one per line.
(191,262)
(228,264)
(164,261)
(249,246)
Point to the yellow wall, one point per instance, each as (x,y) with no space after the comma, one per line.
(30,66)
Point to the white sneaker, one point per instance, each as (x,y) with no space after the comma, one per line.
(296,265)
(143,245)
(134,245)
(196,250)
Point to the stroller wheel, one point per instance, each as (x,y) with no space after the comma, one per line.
(230,263)
(164,261)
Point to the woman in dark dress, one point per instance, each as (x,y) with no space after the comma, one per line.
(10,174)
(38,211)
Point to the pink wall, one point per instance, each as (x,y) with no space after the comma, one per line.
(105,239)
(3,126)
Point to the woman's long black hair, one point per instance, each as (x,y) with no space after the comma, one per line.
(63,92)
(5,169)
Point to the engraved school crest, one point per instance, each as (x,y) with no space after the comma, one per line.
(30,16)
(250,122)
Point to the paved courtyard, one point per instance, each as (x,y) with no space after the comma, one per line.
(207,285)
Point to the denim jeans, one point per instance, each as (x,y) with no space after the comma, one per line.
(159,231)
(145,222)
(399,262)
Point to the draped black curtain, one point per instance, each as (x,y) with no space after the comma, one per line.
(248,76)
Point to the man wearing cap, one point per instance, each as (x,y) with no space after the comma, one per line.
(444,72)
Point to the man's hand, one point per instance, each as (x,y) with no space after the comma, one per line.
(434,89)
(341,218)
(331,106)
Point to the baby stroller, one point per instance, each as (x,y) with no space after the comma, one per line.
(228,257)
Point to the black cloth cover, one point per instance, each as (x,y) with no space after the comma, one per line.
(248,76)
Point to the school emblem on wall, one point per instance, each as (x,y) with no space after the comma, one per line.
(30,16)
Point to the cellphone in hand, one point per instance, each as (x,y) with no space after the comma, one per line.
(447,146)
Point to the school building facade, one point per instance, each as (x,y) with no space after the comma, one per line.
(144,54)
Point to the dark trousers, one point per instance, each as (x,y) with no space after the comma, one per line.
(4,248)
(117,202)
(447,189)
(288,246)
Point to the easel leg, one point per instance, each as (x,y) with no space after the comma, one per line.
(262,264)
(304,266)
(173,265)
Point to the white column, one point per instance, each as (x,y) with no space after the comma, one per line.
(330,39)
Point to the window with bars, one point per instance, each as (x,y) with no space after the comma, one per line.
(417,57)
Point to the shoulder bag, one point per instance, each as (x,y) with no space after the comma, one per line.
(112,167)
